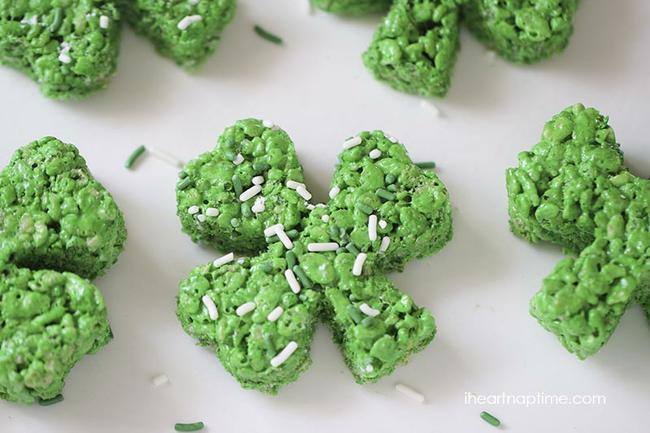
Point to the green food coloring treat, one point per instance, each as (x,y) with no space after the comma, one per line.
(259,313)
(68,47)
(187,32)
(415,48)
(57,226)
(573,189)
(352,7)
(522,31)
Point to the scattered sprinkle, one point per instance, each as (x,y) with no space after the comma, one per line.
(51,401)
(64,57)
(304,280)
(325,218)
(193,210)
(386,195)
(284,354)
(295,185)
(245,308)
(364,208)
(352,142)
(372,228)
(104,21)
(409,392)
(374,154)
(368,310)
(275,314)
(383,224)
(265,34)
(258,180)
(334,192)
(302,191)
(490,419)
(211,307)
(385,243)
(195,426)
(188,21)
(160,380)
(184,183)
(212,212)
(426,165)
(293,282)
(193,2)
(267,124)
(250,192)
(357,268)
(431,107)
(166,157)
(224,259)
(238,159)
(310,206)
(137,153)
(286,241)
(32,21)
(272,230)
(319,247)
(201,218)
(390,138)
(259,206)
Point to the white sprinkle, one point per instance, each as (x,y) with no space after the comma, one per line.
(409,392)
(193,210)
(385,243)
(166,157)
(369,368)
(160,380)
(104,21)
(250,192)
(238,159)
(372,228)
(267,123)
(275,314)
(211,307)
(320,247)
(188,20)
(383,224)
(284,238)
(224,259)
(284,354)
(212,212)
(334,192)
(293,282)
(374,154)
(246,308)
(64,57)
(193,2)
(322,205)
(310,206)
(32,21)
(241,260)
(201,218)
(259,206)
(302,191)
(431,107)
(357,268)
(258,180)
(390,138)
(325,218)
(368,310)
(295,185)
(271,230)
(351,142)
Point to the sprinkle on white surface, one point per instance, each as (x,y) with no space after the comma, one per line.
(334,192)
(104,21)
(211,307)
(357,268)
(201,218)
(382,224)
(368,310)
(275,314)
(385,243)
(224,259)
(293,282)
(193,210)
(258,180)
(245,308)
(250,192)
(428,105)
(165,157)
(320,247)
(259,206)
(374,154)
(302,191)
(188,21)
(267,123)
(409,392)
(288,244)
(160,380)
(372,228)
(282,357)
(325,218)
(212,212)
(271,230)
(295,185)
(351,142)
(390,138)
(238,159)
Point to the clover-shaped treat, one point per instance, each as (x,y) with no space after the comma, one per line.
(58,226)
(415,48)
(313,262)
(574,190)
(352,7)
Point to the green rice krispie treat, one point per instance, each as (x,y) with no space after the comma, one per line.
(522,31)
(55,215)
(187,31)
(259,313)
(415,48)
(69,47)
(352,7)
(574,190)
(48,322)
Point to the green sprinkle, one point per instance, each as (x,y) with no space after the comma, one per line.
(340,250)
(182,175)
(246,210)
(386,195)
(137,153)
(266,267)
(304,279)
(351,248)
(364,208)
(235,222)
(229,155)
(333,231)
(236,183)
(293,234)
(490,419)
(268,342)
(426,165)
(354,314)
(367,322)
(51,401)
(271,240)
(390,178)
(184,183)
(265,34)
(57,21)
(195,426)
(260,166)
(392,188)
(291,258)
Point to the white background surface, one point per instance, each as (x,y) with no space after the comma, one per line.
(316,88)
